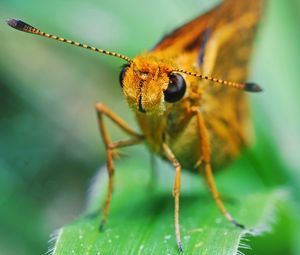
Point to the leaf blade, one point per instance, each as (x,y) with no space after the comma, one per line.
(142,223)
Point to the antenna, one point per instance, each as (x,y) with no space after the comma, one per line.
(24,27)
(247,86)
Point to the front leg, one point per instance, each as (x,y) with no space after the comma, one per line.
(176,192)
(205,147)
(110,147)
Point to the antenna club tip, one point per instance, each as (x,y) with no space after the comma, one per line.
(17,24)
(252,87)
(11,22)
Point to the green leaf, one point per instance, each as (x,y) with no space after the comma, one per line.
(141,220)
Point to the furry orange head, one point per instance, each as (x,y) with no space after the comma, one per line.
(148,83)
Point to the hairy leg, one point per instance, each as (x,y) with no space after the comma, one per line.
(176,192)
(136,138)
(208,169)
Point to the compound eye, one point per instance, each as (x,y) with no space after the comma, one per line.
(176,88)
(122,74)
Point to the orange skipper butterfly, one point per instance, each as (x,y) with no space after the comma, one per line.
(186,115)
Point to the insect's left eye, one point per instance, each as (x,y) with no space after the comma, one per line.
(176,88)
(122,74)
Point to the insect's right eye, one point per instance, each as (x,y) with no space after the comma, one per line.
(122,74)
(176,88)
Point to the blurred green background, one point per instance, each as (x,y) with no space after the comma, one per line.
(49,141)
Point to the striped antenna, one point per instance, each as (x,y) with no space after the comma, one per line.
(24,27)
(247,86)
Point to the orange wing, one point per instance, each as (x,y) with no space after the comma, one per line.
(219,43)
(193,37)
(188,36)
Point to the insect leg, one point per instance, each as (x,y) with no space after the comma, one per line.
(208,169)
(110,149)
(176,192)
